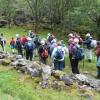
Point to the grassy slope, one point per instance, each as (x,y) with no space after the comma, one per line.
(13,89)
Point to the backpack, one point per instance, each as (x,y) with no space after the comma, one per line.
(44,54)
(93,43)
(18,44)
(59,54)
(80,53)
(29,46)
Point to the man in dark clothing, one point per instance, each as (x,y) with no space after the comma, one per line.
(29,48)
(19,46)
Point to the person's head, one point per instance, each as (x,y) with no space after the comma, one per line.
(17,35)
(76,41)
(24,36)
(70,35)
(59,43)
(88,35)
(12,38)
(29,39)
(42,42)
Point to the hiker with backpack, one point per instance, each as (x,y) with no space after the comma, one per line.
(29,48)
(58,57)
(76,53)
(98,59)
(43,52)
(53,44)
(23,40)
(19,45)
(87,42)
(12,45)
(2,41)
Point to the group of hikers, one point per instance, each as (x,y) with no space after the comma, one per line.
(49,48)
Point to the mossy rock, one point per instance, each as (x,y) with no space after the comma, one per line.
(6,62)
(58,73)
(59,85)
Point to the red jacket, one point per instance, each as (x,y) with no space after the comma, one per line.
(12,42)
(23,40)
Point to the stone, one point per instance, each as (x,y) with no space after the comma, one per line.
(46,72)
(59,85)
(19,57)
(94,83)
(57,73)
(33,72)
(6,62)
(82,79)
(14,63)
(67,80)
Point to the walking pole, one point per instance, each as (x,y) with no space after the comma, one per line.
(83,59)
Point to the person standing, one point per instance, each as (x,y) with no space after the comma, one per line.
(73,59)
(98,59)
(23,40)
(2,41)
(12,45)
(58,57)
(29,48)
(43,52)
(19,45)
(87,42)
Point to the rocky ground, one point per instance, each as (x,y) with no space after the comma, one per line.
(50,78)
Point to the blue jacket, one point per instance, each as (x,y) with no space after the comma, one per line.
(87,42)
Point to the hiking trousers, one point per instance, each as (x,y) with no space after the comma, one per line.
(74,66)
(29,55)
(59,65)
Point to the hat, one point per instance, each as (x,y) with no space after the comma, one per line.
(29,39)
(42,42)
(70,35)
(76,40)
(17,35)
(88,34)
(49,34)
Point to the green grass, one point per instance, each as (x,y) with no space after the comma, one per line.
(12,88)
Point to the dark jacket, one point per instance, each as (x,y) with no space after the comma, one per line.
(87,42)
(29,48)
